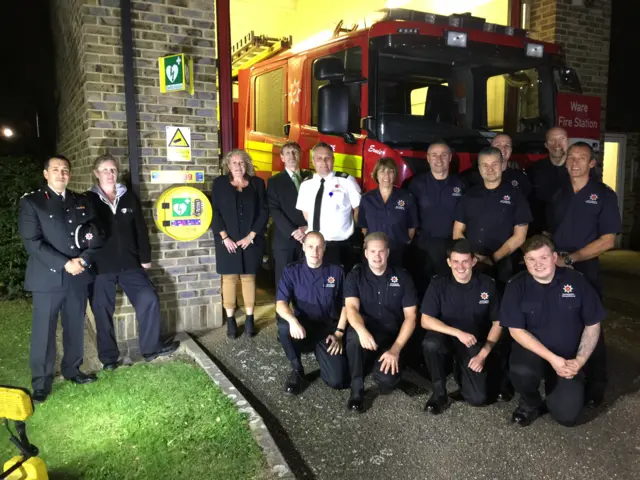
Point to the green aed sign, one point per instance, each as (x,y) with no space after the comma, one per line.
(176,73)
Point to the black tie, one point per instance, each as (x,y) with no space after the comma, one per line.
(316,207)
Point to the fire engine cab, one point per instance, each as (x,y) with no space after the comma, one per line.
(392,85)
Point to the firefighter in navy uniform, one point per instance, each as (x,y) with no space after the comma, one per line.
(381,307)
(54,224)
(553,314)
(390,210)
(460,314)
(318,319)
(437,194)
(494,218)
(583,219)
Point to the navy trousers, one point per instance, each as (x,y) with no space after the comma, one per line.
(141,293)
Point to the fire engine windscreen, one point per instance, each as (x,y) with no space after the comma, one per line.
(426,89)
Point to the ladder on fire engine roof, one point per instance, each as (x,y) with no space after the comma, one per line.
(255,48)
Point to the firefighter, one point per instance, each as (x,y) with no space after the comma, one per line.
(553,314)
(511,173)
(460,314)
(329,202)
(547,175)
(583,218)
(494,218)
(381,306)
(390,210)
(437,193)
(318,319)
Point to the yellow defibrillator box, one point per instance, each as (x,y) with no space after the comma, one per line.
(183,213)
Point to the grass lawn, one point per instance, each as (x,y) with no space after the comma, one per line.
(148,421)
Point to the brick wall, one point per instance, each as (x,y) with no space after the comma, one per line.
(184,273)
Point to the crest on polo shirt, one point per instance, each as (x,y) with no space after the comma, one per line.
(506,199)
(331,282)
(567,292)
(593,199)
(484,298)
(457,192)
(514,183)
(394,282)
(401,204)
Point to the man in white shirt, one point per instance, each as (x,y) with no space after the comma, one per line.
(329,202)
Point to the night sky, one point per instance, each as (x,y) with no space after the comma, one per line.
(27,85)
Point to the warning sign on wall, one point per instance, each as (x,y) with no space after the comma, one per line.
(178,144)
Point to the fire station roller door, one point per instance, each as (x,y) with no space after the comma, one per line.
(183,213)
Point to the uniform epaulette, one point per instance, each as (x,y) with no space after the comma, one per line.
(341,174)
(488,277)
(307,179)
(517,276)
(30,193)
(438,276)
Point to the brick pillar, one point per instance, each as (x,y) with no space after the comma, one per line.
(583,33)
(93,122)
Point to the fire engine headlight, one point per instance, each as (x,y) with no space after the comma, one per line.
(457,39)
(534,50)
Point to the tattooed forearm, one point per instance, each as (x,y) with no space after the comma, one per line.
(588,341)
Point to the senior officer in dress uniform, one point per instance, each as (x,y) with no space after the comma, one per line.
(329,202)
(437,194)
(318,319)
(510,174)
(460,314)
(553,314)
(494,217)
(381,306)
(548,175)
(57,274)
(390,210)
(282,195)
(583,218)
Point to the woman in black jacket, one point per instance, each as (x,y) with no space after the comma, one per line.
(122,261)
(240,218)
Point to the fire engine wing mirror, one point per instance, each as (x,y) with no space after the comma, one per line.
(567,79)
(333,97)
(287,129)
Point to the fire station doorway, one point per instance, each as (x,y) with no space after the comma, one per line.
(613,165)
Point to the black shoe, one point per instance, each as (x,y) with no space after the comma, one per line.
(356,401)
(232,328)
(163,352)
(248,326)
(505,395)
(83,378)
(594,400)
(436,405)
(39,396)
(525,417)
(294,383)
(110,367)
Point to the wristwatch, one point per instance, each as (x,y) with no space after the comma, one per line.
(568,260)
(83,263)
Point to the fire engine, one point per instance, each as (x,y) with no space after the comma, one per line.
(390,87)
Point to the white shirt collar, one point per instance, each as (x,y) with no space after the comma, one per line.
(328,177)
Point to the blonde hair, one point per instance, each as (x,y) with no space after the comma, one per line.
(376,236)
(246,159)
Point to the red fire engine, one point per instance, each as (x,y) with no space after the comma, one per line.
(392,87)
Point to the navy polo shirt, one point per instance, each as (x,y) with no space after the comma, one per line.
(471,307)
(556,313)
(382,298)
(577,219)
(490,215)
(437,201)
(315,293)
(394,218)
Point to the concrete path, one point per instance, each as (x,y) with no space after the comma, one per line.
(395,439)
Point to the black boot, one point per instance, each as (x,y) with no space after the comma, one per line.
(248,326)
(232,327)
